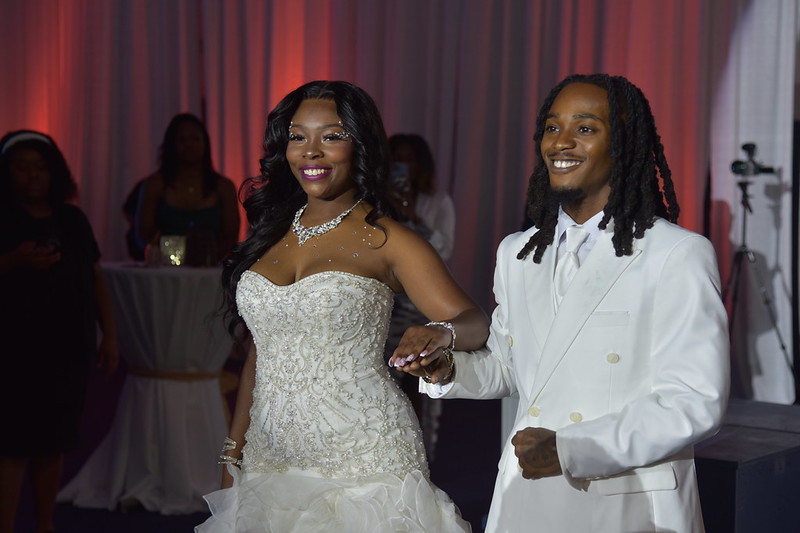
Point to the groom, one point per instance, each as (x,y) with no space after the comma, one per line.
(609,327)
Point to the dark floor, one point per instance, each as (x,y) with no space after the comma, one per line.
(465,467)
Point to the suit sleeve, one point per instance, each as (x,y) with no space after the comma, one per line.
(486,373)
(690,369)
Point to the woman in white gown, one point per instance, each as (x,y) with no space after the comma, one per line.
(322,440)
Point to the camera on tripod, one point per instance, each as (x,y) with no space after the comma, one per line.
(750,167)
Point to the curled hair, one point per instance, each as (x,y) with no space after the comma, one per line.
(424,179)
(62,185)
(169,160)
(271,199)
(637,194)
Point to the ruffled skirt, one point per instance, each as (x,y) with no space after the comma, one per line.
(304,502)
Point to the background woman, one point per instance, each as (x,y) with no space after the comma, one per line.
(324,438)
(428,210)
(54,294)
(186,194)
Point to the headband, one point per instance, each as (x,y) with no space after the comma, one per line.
(25,136)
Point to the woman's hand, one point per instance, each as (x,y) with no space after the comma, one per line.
(420,352)
(432,368)
(29,254)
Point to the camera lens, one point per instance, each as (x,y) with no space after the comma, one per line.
(740,167)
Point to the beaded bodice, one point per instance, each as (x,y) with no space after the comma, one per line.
(323,397)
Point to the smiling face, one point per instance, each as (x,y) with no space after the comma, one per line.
(320,151)
(576,148)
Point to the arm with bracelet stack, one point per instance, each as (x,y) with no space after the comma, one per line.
(231,452)
(435,363)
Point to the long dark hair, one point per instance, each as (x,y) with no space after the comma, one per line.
(272,198)
(637,195)
(62,185)
(170,163)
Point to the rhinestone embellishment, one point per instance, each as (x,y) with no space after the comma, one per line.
(303,233)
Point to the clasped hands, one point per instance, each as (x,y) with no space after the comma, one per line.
(420,352)
(537,453)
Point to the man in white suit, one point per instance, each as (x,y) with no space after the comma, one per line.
(618,350)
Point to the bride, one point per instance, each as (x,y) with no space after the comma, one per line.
(322,439)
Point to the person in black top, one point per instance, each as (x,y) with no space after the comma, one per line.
(54,295)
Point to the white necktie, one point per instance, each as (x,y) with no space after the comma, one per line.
(568,264)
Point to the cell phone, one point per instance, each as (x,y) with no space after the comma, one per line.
(399,175)
(51,243)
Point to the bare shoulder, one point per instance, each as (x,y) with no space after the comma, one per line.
(401,253)
(401,240)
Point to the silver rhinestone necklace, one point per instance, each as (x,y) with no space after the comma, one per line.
(303,233)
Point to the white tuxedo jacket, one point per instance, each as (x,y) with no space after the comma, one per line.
(630,370)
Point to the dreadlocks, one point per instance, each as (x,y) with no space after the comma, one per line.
(637,156)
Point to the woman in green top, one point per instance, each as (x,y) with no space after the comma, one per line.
(186,194)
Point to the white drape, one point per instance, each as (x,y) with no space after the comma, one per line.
(753,103)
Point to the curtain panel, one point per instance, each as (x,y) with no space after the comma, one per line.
(105,77)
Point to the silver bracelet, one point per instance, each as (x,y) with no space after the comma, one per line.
(227,445)
(228,460)
(448,325)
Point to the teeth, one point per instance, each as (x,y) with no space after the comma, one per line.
(565,164)
(315,171)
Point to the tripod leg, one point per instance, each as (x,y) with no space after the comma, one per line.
(733,281)
(767,301)
(735,271)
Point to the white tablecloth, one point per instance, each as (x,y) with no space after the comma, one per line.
(162,448)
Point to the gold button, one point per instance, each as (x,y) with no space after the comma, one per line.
(510,341)
(575,417)
(613,358)
(534,411)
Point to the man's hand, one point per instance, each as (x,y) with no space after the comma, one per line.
(537,453)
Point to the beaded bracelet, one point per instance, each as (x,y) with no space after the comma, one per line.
(448,325)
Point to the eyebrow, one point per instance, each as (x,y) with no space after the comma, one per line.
(324,126)
(577,115)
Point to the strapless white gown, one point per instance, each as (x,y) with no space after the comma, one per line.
(333,444)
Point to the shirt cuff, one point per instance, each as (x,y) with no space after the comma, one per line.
(434,390)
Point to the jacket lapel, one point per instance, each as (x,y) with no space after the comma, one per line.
(592,282)
(538,282)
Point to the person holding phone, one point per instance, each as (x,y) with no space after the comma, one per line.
(425,207)
(428,210)
(54,295)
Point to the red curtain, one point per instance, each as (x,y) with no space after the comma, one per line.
(104,78)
